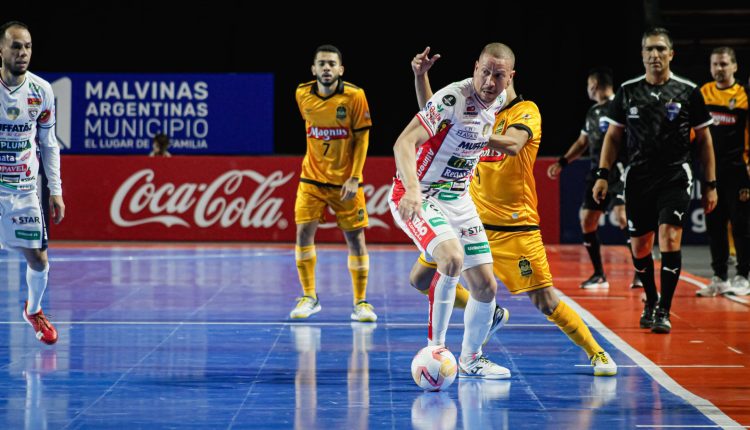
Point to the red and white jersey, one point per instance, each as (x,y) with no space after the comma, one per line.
(27,119)
(459,125)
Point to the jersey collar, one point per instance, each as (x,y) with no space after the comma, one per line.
(8,88)
(339,90)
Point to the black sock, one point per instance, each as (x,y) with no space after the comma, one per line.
(591,242)
(671,266)
(645,269)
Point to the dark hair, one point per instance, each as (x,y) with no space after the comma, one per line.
(162,139)
(603,76)
(10,24)
(725,50)
(657,31)
(328,48)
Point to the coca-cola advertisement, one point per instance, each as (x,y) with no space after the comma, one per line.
(210,199)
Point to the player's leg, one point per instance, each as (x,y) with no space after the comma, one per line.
(740,216)
(421,275)
(359,268)
(716,226)
(351,217)
(308,210)
(618,209)
(590,228)
(37,274)
(478,318)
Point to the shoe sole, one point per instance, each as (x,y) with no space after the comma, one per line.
(605,373)
(661,329)
(506,317)
(490,377)
(355,318)
(593,286)
(301,316)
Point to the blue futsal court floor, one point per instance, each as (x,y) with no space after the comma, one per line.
(199,337)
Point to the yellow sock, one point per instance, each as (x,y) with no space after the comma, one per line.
(732,249)
(572,325)
(359,267)
(462,296)
(306,259)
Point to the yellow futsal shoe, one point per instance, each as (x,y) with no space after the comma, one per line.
(306,306)
(603,364)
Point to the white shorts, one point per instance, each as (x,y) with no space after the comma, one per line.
(441,220)
(21,221)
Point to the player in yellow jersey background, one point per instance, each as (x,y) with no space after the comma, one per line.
(337,121)
(504,192)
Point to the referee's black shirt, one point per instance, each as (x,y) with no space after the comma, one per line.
(657,120)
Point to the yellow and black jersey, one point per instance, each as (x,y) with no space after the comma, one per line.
(503,187)
(729,131)
(331,123)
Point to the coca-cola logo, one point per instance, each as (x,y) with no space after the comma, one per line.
(140,201)
(377,206)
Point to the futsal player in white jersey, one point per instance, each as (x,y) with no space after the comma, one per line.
(436,156)
(27,118)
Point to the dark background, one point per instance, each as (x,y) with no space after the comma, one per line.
(555,46)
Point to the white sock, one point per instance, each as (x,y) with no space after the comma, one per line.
(477,322)
(37,283)
(442,296)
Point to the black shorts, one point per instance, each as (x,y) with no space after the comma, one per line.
(656,198)
(614,196)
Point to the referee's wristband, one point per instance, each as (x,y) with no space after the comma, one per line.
(562,161)
(602,173)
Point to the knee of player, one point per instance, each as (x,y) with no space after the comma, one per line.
(421,276)
(451,264)
(37,260)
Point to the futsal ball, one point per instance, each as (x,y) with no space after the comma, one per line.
(434,368)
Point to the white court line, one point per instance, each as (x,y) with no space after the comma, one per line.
(702,366)
(685,426)
(255,323)
(704,406)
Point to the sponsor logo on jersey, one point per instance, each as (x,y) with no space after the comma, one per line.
(7,158)
(12,112)
(603,125)
(328,133)
(443,124)
(673,109)
(472,231)
(471,146)
(436,221)
(14,169)
(33,113)
(28,235)
(10,179)
(15,146)
(455,173)
(467,134)
(425,161)
(524,266)
(462,163)
(16,128)
(45,116)
(477,248)
(33,101)
(432,115)
(491,155)
(22,220)
(471,111)
(446,197)
(633,112)
(25,156)
(449,100)
(721,118)
(341,112)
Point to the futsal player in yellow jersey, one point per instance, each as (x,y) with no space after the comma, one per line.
(504,192)
(337,120)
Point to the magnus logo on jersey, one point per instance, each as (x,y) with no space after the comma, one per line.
(328,133)
(22,220)
(723,118)
(7,158)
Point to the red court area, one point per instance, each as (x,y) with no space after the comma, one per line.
(707,351)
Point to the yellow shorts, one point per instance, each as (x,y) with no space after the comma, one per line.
(519,260)
(313,199)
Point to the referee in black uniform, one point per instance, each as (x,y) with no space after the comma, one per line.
(658,110)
